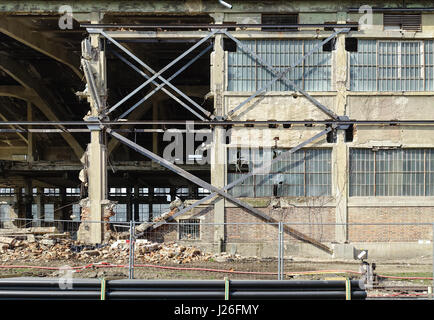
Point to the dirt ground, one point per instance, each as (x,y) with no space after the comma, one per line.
(405,275)
(247,269)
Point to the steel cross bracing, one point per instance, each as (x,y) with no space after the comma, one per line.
(280,75)
(157,75)
(223,192)
(215,191)
(163,84)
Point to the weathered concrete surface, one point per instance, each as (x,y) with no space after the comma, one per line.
(196,6)
(279,106)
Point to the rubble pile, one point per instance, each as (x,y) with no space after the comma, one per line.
(58,247)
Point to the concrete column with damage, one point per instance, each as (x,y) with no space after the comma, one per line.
(340,152)
(218,153)
(96,207)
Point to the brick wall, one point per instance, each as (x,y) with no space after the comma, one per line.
(390,215)
(309,219)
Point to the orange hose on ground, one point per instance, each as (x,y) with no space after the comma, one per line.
(107,265)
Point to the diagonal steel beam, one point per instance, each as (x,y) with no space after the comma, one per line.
(160,87)
(156,75)
(262,169)
(222,192)
(163,162)
(280,75)
(154,72)
(156,84)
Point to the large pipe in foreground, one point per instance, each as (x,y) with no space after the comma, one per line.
(89,289)
(179,295)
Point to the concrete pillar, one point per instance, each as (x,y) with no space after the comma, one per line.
(97,184)
(218,152)
(340,150)
(97,151)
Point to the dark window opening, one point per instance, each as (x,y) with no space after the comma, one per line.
(349,133)
(332,136)
(280,20)
(329,45)
(351,44)
(229,45)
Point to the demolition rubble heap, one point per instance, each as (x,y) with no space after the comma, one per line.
(45,245)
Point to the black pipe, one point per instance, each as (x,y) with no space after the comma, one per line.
(188,295)
(178,289)
(238,284)
(63,294)
(181,295)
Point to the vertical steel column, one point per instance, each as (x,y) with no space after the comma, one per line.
(281,251)
(131,253)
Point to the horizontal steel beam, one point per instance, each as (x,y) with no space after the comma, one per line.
(142,35)
(215,122)
(216,26)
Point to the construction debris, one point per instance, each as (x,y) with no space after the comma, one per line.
(33,230)
(44,249)
(8,241)
(173,207)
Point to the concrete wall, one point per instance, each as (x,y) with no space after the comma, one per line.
(383,241)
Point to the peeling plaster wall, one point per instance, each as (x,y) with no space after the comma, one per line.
(393,107)
(279,107)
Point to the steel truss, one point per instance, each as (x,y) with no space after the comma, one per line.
(277,76)
(157,75)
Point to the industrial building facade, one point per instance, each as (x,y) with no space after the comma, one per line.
(349,85)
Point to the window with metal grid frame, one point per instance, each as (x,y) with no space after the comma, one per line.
(49,212)
(4,214)
(189,229)
(396,172)
(7,191)
(143,212)
(247,75)
(306,172)
(120,211)
(383,65)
